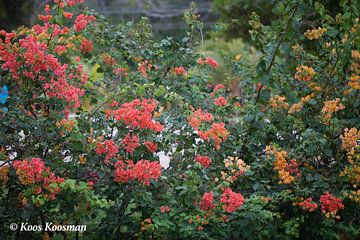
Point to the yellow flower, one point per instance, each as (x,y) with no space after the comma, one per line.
(315,33)
(304,73)
(238,57)
(82,159)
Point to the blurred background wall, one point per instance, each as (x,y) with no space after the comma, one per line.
(165,15)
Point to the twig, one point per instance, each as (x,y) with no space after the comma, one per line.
(281,38)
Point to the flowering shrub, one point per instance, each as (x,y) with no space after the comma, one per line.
(106,126)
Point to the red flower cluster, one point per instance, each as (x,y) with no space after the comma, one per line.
(198,117)
(220,101)
(81,21)
(308,205)
(203,160)
(151,146)
(109,148)
(30,57)
(207,202)
(29,172)
(34,171)
(86,46)
(68,15)
(330,204)
(292,168)
(143,171)
(208,61)
(138,114)
(217,88)
(231,200)
(164,209)
(130,143)
(180,71)
(71,3)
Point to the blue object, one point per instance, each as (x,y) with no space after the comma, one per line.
(4,95)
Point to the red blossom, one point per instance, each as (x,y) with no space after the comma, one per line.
(210,61)
(71,3)
(308,205)
(36,64)
(34,171)
(60,49)
(180,71)
(198,117)
(151,146)
(220,101)
(330,204)
(207,202)
(68,15)
(143,171)
(86,46)
(138,114)
(144,67)
(130,143)
(231,200)
(81,21)
(203,160)
(164,209)
(109,148)
(217,88)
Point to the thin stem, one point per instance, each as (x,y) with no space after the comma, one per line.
(281,38)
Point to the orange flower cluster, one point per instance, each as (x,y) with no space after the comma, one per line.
(34,171)
(354,79)
(4,174)
(315,33)
(146,224)
(198,117)
(314,87)
(236,167)
(352,173)
(278,102)
(69,125)
(296,107)
(281,165)
(217,132)
(349,138)
(144,67)
(108,60)
(304,73)
(330,107)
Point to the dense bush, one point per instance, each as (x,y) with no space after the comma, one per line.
(87,107)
